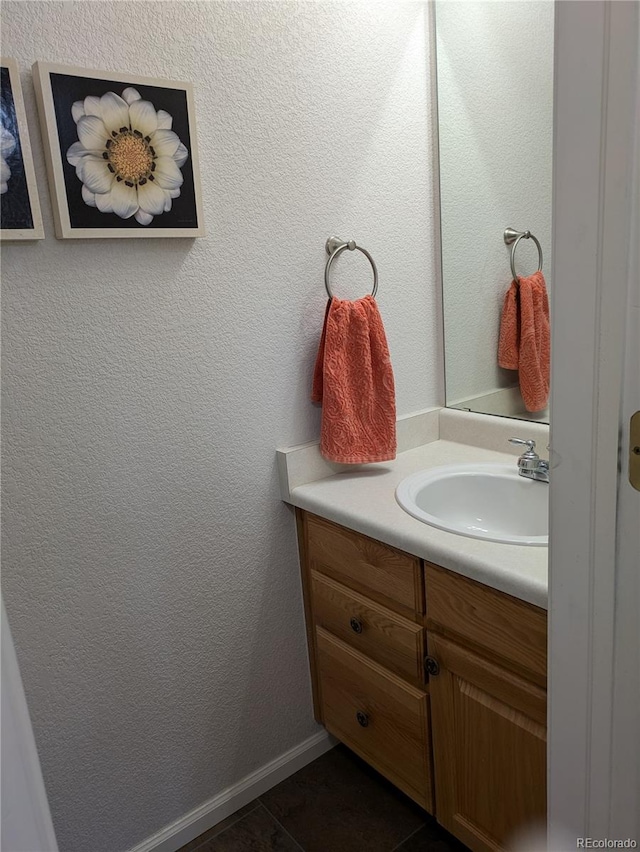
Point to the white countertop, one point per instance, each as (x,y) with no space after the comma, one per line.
(363,499)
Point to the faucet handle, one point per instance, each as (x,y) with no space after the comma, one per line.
(530,445)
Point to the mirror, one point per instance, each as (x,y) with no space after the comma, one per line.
(495,122)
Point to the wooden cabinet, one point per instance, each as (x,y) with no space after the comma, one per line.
(489,709)
(467,743)
(364,605)
(489,745)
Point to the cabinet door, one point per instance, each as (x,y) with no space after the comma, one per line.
(489,749)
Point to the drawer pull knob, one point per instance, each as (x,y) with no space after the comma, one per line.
(432,666)
(356,625)
(363,719)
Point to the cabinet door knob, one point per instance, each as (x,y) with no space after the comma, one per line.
(356,625)
(432,666)
(363,719)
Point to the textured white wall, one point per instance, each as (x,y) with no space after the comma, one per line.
(495,111)
(150,569)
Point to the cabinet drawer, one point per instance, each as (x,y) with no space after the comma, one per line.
(509,629)
(377,570)
(376,631)
(382,718)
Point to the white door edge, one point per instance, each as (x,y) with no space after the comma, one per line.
(26,820)
(595,104)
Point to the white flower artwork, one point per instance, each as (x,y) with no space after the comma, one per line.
(121,152)
(127,156)
(7,147)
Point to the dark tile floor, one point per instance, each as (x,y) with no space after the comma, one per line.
(335,804)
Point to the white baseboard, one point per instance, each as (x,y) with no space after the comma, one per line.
(204,817)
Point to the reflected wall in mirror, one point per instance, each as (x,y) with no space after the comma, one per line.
(495,118)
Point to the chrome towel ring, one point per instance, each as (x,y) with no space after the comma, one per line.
(512,238)
(335,246)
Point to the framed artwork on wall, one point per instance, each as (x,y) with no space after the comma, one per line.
(121,153)
(20,217)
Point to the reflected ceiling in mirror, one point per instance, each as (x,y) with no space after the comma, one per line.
(495,120)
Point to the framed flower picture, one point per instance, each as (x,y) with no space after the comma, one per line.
(121,153)
(20,217)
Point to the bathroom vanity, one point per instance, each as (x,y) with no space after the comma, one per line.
(436,680)
(428,659)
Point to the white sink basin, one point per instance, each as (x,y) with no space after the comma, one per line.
(490,501)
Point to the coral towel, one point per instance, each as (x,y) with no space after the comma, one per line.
(525,338)
(353,380)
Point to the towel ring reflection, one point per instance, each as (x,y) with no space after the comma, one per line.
(512,238)
(335,246)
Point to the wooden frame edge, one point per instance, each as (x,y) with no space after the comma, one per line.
(301,530)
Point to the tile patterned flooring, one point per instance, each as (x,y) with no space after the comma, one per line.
(335,804)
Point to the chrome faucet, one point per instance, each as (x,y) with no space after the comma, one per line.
(530,464)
